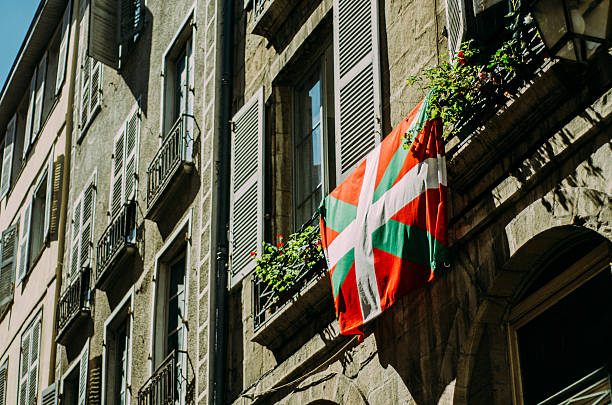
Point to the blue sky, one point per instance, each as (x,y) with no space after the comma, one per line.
(15,19)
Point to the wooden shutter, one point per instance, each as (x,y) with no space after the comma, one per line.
(58,172)
(41,77)
(63,52)
(132,19)
(24,241)
(7,266)
(246,195)
(50,395)
(85,86)
(3,378)
(103,32)
(30,117)
(34,361)
(87,215)
(95,92)
(7,159)
(76,237)
(117,173)
(356,82)
(28,374)
(83,366)
(455,25)
(49,196)
(132,135)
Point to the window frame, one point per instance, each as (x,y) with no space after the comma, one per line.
(324,66)
(37,319)
(124,311)
(571,279)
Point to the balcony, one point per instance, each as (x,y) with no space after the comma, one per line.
(116,243)
(295,309)
(169,382)
(73,307)
(594,388)
(172,165)
(269,15)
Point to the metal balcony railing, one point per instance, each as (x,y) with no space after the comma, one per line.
(169,382)
(592,389)
(74,301)
(267,301)
(119,234)
(177,148)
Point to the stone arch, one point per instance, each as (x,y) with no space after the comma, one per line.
(327,388)
(561,217)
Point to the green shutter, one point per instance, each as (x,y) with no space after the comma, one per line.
(7,267)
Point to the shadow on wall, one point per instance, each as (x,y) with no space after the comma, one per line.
(137,64)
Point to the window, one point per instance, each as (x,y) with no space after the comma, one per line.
(36,221)
(83,213)
(3,381)
(7,159)
(560,333)
(91,91)
(117,353)
(8,252)
(113,24)
(313,140)
(74,380)
(28,363)
(125,162)
(178,78)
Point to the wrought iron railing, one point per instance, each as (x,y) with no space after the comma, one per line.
(120,233)
(177,148)
(74,301)
(258,8)
(267,301)
(592,389)
(170,381)
(492,94)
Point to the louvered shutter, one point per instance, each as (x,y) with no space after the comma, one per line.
(34,361)
(49,196)
(24,367)
(95,95)
(117,173)
(7,266)
(50,395)
(132,19)
(85,86)
(30,117)
(246,198)
(41,77)
(24,241)
(63,52)
(3,378)
(76,237)
(58,171)
(103,32)
(132,135)
(7,158)
(455,25)
(83,366)
(87,214)
(357,82)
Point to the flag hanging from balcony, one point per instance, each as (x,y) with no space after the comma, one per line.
(384,229)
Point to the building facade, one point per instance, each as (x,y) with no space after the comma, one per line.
(151,147)
(529,216)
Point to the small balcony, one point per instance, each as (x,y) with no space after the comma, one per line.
(116,243)
(296,308)
(172,165)
(170,381)
(269,15)
(73,307)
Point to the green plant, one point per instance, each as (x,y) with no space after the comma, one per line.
(280,264)
(454,87)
